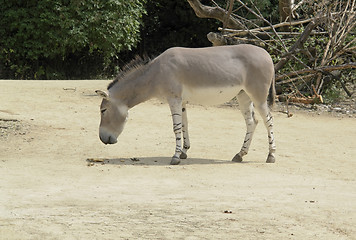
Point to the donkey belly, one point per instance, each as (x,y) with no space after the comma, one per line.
(209,95)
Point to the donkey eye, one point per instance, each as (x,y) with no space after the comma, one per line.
(103,110)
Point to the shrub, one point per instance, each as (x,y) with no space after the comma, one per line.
(51,39)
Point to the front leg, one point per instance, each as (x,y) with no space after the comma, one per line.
(176,110)
(186,142)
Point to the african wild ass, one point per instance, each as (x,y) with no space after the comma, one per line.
(207,76)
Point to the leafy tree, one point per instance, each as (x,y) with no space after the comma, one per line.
(65,38)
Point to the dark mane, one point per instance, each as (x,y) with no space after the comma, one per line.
(135,64)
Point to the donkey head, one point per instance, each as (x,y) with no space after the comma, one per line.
(113,118)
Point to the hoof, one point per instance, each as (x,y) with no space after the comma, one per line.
(175,161)
(237,158)
(270,159)
(183,156)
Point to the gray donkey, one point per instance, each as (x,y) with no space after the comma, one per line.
(207,76)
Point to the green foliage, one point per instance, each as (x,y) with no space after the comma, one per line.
(65,38)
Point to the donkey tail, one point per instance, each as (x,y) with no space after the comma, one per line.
(272,92)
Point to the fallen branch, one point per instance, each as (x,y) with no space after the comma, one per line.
(317,70)
(304,77)
(345,89)
(305,100)
(242,33)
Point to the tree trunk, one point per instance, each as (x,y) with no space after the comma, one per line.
(285,10)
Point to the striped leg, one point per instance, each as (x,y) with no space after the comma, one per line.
(176,110)
(246,107)
(186,142)
(268,120)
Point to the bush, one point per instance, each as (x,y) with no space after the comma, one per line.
(52,39)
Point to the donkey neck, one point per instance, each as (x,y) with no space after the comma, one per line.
(134,89)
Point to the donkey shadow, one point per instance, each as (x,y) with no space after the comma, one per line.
(156,161)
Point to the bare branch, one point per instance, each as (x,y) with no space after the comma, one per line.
(303,37)
(227,16)
(217,12)
(308,64)
(351,65)
(242,33)
(259,15)
(273,26)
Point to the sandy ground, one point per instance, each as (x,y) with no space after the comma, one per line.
(48,190)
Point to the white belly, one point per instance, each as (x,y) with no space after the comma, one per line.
(209,96)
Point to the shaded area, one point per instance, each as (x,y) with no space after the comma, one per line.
(153,161)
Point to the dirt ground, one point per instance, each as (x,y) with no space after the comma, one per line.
(49,190)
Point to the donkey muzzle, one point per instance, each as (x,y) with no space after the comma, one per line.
(107,138)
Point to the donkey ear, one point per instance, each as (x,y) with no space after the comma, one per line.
(102,93)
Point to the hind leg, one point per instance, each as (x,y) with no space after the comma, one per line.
(175,105)
(246,108)
(268,121)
